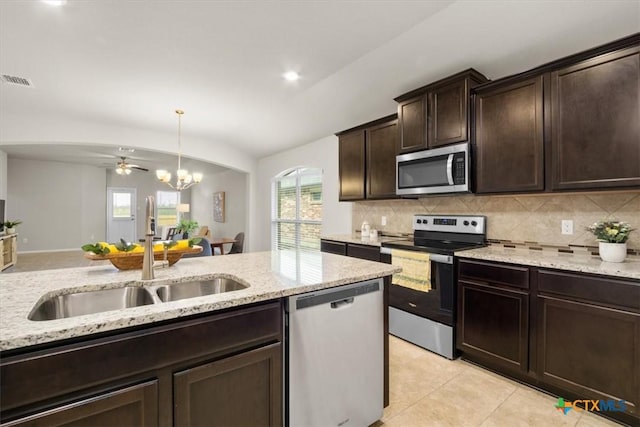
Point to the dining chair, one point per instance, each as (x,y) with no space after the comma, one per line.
(170,233)
(204,232)
(238,246)
(206,249)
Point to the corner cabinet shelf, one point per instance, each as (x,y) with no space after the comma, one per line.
(9,250)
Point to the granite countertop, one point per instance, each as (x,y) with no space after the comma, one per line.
(270,275)
(356,238)
(581,262)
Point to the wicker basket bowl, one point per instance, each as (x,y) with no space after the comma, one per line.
(133,260)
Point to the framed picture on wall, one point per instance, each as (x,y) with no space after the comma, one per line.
(218,206)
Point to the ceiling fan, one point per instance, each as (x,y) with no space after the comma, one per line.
(124,168)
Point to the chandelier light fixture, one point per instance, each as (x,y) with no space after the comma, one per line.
(184,179)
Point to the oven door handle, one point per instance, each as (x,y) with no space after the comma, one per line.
(442,259)
(450,169)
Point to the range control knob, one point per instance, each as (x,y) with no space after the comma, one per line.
(419,221)
(474,223)
(466,222)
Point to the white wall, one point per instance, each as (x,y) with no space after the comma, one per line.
(49,129)
(323,154)
(3,175)
(235,185)
(61,205)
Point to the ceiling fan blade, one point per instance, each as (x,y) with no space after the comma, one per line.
(139,168)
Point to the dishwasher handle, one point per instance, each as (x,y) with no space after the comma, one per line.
(342,303)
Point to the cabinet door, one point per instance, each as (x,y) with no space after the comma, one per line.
(595,122)
(412,125)
(372,253)
(509,138)
(351,165)
(591,351)
(243,390)
(381,160)
(332,247)
(493,325)
(448,112)
(132,406)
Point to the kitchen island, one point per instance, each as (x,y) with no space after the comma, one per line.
(215,357)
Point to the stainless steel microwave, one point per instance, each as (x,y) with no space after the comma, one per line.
(436,171)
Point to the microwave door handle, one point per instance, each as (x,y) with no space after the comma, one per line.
(450,169)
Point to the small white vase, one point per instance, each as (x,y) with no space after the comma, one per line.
(613,252)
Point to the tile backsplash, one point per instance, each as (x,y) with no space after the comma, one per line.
(519,218)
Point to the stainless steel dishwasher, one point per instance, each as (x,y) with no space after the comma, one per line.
(335,354)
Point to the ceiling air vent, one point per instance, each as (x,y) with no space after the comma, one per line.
(19,81)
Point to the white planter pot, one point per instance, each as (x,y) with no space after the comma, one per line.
(11,230)
(613,252)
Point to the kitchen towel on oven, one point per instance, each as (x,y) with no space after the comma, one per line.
(416,269)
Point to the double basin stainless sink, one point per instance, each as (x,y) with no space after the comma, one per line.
(80,303)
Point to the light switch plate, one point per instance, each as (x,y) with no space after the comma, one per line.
(567,226)
(383,220)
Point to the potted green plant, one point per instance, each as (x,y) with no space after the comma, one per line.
(10,226)
(186,227)
(612,236)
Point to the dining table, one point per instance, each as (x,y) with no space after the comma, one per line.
(219,242)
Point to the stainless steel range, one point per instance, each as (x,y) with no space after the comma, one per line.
(422,299)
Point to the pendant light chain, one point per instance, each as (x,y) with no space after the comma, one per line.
(180,113)
(184,179)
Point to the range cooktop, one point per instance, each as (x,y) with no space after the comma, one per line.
(443,234)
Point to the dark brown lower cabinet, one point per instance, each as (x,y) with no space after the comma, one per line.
(589,337)
(244,388)
(223,368)
(580,339)
(136,405)
(372,253)
(494,324)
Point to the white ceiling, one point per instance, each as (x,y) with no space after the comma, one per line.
(132,63)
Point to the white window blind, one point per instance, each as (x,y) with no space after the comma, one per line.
(297,209)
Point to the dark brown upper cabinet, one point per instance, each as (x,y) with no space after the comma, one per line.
(436,114)
(571,124)
(595,122)
(381,160)
(510,137)
(351,165)
(367,160)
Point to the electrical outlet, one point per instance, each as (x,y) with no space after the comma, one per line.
(567,226)
(383,220)
(93,237)
(25,240)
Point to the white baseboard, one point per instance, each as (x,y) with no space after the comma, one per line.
(50,250)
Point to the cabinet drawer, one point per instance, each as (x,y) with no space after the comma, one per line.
(333,247)
(134,405)
(502,274)
(602,291)
(372,253)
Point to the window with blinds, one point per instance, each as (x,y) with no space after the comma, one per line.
(297,209)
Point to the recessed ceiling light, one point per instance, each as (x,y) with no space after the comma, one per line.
(291,76)
(126,149)
(55,2)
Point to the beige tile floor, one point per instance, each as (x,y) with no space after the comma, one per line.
(429,390)
(425,389)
